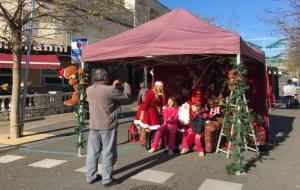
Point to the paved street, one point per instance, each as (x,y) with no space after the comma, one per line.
(54,164)
(192,63)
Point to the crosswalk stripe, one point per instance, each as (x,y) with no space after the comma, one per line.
(211,184)
(153,176)
(10,158)
(47,163)
(146,175)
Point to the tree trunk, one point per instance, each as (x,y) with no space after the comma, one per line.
(15,128)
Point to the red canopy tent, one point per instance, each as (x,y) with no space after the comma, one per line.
(176,34)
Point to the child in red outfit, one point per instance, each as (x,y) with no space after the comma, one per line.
(195,133)
(169,127)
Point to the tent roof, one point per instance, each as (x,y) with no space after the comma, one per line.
(175,33)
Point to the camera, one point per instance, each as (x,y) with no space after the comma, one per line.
(120,86)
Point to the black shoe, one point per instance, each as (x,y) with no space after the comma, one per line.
(112,183)
(98,178)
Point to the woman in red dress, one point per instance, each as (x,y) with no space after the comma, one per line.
(149,113)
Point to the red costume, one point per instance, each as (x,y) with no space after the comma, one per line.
(152,108)
(168,128)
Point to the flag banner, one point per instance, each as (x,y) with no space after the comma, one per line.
(76,48)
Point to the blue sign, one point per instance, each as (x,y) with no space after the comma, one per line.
(76,48)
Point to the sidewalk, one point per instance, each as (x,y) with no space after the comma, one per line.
(49,126)
(277,168)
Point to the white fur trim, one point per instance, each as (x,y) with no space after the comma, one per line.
(151,127)
(181,130)
(136,122)
(184,114)
(65,73)
(158,83)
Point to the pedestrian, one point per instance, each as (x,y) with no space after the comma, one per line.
(295,81)
(5,91)
(168,128)
(142,94)
(103,124)
(289,93)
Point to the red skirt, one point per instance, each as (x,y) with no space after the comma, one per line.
(151,119)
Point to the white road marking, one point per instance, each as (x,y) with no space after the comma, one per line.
(10,158)
(47,163)
(153,176)
(211,184)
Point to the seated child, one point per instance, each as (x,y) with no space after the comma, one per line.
(168,128)
(195,132)
(213,124)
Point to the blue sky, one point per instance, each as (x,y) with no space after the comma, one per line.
(245,16)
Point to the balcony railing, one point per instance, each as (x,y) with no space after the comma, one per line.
(37,105)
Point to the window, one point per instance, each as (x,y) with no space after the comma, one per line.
(153,14)
(5,76)
(50,77)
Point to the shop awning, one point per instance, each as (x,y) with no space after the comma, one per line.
(36,61)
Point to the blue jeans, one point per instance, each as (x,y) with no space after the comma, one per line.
(289,101)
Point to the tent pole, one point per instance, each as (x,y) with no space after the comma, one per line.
(146,76)
(238,59)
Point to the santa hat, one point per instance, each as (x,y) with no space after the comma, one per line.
(159,83)
(195,101)
(197,97)
(61,72)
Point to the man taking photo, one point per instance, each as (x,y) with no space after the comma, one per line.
(103,126)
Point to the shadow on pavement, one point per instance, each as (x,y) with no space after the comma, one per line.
(281,127)
(144,164)
(281,104)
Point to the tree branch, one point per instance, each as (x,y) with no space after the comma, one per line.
(5,13)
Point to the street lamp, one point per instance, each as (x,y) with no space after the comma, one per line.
(27,63)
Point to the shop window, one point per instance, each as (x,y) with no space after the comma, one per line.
(50,77)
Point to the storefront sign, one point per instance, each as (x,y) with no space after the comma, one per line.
(40,48)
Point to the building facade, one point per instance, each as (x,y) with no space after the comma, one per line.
(52,42)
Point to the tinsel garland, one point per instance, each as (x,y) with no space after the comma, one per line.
(240,117)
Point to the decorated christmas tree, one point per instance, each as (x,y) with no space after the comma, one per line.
(239,118)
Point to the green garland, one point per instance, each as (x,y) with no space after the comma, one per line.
(237,115)
(80,114)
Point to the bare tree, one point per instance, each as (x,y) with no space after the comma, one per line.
(65,14)
(288,22)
